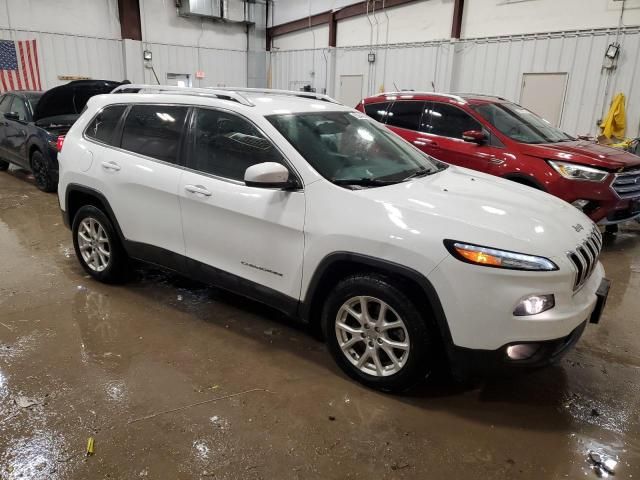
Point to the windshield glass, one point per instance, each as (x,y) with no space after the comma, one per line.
(349,148)
(520,124)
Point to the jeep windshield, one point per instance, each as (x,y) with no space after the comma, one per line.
(349,149)
(520,124)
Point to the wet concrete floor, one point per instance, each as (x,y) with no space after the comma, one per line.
(102,361)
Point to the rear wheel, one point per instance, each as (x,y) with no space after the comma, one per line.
(97,246)
(42,172)
(376,334)
(4,165)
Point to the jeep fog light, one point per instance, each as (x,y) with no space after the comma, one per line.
(534,304)
(522,351)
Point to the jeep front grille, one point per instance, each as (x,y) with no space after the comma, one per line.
(585,258)
(627,184)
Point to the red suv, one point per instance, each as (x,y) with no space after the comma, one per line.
(496,136)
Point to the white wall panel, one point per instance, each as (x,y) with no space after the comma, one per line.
(415,22)
(221,67)
(492,66)
(311,38)
(161,24)
(96,18)
(484,18)
(291,70)
(284,11)
(73,55)
(496,66)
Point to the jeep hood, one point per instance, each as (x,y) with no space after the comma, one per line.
(67,101)
(469,206)
(585,153)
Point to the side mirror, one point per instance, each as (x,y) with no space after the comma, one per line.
(267,175)
(12,116)
(474,136)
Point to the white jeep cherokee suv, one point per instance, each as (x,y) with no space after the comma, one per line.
(311,207)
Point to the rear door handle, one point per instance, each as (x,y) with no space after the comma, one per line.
(113,166)
(198,190)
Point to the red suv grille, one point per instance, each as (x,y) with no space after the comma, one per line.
(627,184)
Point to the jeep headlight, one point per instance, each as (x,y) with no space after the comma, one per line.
(574,171)
(493,257)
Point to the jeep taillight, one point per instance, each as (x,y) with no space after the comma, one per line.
(59,143)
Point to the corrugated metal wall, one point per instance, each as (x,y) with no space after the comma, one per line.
(222,67)
(102,58)
(489,65)
(292,69)
(413,66)
(73,55)
(496,66)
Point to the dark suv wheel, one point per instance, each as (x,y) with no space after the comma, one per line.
(376,334)
(97,246)
(4,166)
(42,172)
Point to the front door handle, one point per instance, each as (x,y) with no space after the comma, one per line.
(198,190)
(424,142)
(113,166)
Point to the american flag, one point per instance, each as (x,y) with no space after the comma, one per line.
(19,69)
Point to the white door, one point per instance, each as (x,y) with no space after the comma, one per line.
(141,179)
(252,233)
(544,93)
(350,90)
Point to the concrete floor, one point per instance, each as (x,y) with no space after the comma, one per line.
(102,361)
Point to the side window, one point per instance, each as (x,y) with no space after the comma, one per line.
(20,108)
(5,103)
(405,114)
(154,131)
(377,111)
(103,126)
(226,145)
(447,121)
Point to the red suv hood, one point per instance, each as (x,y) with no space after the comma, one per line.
(584,152)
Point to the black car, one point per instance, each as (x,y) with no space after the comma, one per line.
(31,122)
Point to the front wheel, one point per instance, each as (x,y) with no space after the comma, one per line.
(376,334)
(97,246)
(42,173)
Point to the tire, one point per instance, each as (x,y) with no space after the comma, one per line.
(42,172)
(92,229)
(526,183)
(4,166)
(412,365)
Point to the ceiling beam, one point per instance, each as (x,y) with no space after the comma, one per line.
(129,14)
(456,24)
(332,17)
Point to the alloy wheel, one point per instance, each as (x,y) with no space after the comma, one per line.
(372,336)
(94,245)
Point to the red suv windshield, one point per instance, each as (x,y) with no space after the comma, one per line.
(520,124)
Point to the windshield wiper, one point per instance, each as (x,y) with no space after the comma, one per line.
(364,182)
(419,173)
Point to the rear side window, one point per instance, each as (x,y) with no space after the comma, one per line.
(405,114)
(226,145)
(448,121)
(5,103)
(377,111)
(103,126)
(154,131)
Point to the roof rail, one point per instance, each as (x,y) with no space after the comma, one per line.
(290,93)
(223,94)
(411,92)
(480,95)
